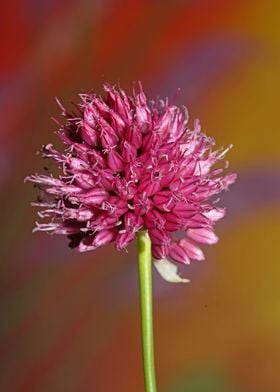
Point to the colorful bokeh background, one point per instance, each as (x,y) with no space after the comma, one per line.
(70,322)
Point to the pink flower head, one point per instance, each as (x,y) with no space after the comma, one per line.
(128,166)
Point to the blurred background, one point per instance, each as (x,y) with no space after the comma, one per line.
(70,322)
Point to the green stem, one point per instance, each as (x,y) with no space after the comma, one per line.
(146,304)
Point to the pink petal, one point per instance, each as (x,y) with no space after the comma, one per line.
(89,135)
(104,221)
(198,221)
(124,239)
(90,115)
(167,179)
(134,136)
(163,200)
(228,180)
(104,237)
(85,180)
(148,187)
(115,206)
(95,197)
(205,236)
(80,214)
(115,161)
(183,210)
(117,123)
(106,178)
(159,236)
(86,245)
(172,218)
(96,158)
(171,226)
(150,141)
(178,253)
(132,222)
(128,151)
(215,214)
(108,138)
(78,164)
(159,252)
(193,251)
(154,219)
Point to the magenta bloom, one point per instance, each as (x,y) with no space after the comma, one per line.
(128,166)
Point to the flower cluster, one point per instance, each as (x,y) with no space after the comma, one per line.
(129,166)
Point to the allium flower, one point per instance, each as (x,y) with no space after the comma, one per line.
(128,166)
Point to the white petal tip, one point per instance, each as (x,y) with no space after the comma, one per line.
(169,271)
